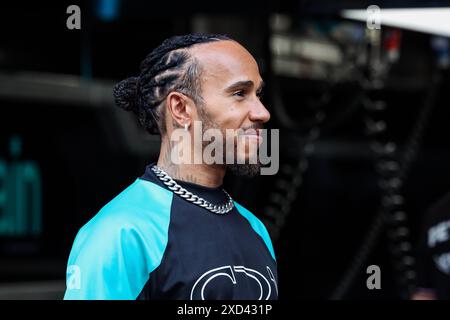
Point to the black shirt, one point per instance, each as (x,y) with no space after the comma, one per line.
(149,243)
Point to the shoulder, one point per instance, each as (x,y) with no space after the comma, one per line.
(124,241)
(137,218)
(257,225)
(140,205)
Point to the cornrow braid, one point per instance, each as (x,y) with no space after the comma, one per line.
(169,67)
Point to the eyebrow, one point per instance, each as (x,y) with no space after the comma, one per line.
(244,83)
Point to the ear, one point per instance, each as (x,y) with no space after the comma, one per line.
(180,108)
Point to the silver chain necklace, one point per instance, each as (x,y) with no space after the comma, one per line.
(189,196)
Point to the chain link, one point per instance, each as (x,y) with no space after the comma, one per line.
(189,196)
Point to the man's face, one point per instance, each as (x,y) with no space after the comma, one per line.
(231,90)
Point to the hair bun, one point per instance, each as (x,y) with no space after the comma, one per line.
(126,93)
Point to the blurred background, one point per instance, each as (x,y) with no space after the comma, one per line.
(361,111)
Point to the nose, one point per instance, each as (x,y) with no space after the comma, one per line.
(259,113)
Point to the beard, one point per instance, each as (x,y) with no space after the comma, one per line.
(245,169)
(238,169)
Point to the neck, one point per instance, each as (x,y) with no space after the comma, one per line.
(203,174)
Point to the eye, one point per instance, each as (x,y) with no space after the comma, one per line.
(239,93)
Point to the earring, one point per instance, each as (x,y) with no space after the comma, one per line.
(186,126)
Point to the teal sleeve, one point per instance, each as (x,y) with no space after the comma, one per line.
(114,253)
(257,226)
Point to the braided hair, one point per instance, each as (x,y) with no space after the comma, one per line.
(169,67)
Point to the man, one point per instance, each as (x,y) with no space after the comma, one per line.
(175,233)
(433,258)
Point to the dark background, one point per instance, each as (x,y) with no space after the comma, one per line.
(56,99)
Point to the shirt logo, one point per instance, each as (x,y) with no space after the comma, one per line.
(263,283)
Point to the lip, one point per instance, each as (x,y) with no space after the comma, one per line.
(253,136)
(253,132)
